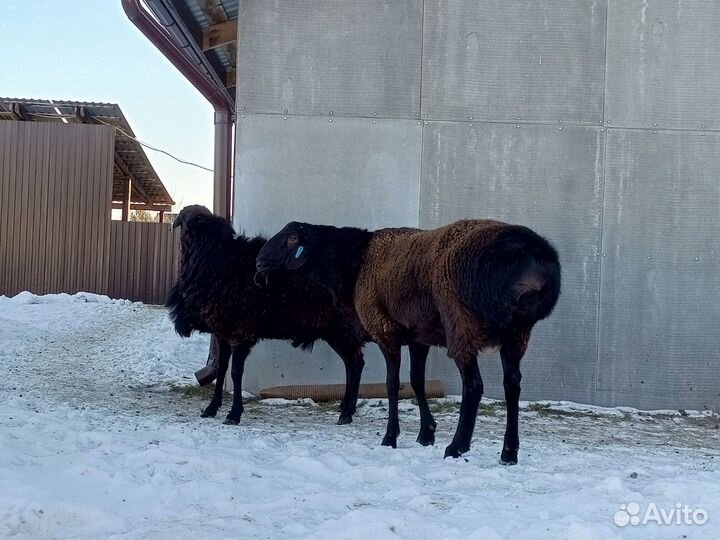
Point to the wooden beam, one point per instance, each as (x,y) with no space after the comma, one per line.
(17,111)
(127,195)
(230,78)
(82,114)
(219,34)
(121,165)
(143,206)
(136,185)
(141,192)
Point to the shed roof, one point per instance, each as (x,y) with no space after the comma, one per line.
(130,158)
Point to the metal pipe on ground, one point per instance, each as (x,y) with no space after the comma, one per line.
(208,373)
(335,392)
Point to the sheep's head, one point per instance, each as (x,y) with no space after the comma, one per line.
(190,213)
(287,250)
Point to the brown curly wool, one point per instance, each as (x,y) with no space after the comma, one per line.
(469,286)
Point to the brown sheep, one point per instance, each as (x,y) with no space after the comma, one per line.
(470,286)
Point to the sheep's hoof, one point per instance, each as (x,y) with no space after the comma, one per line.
(389,440)
(231,420)
(426,438)
(454,452)
(210,412)
(508,457)
(344,419)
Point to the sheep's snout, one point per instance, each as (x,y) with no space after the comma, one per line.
(269,262)
(262,267)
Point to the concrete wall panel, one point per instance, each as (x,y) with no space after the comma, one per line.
(662,64)
(660,275)
(345,172)
(350,171)
(351,58)
(498,60)
(549,179)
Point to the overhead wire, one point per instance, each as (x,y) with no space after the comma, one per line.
(151,147)
(64,118)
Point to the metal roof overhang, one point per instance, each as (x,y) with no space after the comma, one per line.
(130,159)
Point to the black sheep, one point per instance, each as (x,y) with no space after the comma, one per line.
(469,286)
(215,293)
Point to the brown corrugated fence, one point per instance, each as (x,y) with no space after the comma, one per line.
(55,197)
(55,229)
(143,261)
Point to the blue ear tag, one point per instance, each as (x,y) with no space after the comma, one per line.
(299,252)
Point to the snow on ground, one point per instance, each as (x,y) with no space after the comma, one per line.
(100,437)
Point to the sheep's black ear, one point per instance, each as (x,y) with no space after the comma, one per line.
(297,258)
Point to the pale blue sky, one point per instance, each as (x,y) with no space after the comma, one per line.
(87,50)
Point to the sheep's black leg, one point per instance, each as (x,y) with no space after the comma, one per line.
(511,353)
(224,351)
(472,390)
(354,363)
(345,414)
(392,383)
(240,353)
(418,357)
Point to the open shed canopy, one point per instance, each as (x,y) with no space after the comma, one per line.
(130,160)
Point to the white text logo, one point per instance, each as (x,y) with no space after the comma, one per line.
(680,514)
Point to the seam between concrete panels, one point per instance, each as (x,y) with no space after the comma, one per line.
(605,61)
(422,57)
(339,117)
(601,248)
(421,154)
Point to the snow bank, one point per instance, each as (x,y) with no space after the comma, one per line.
(26,297)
